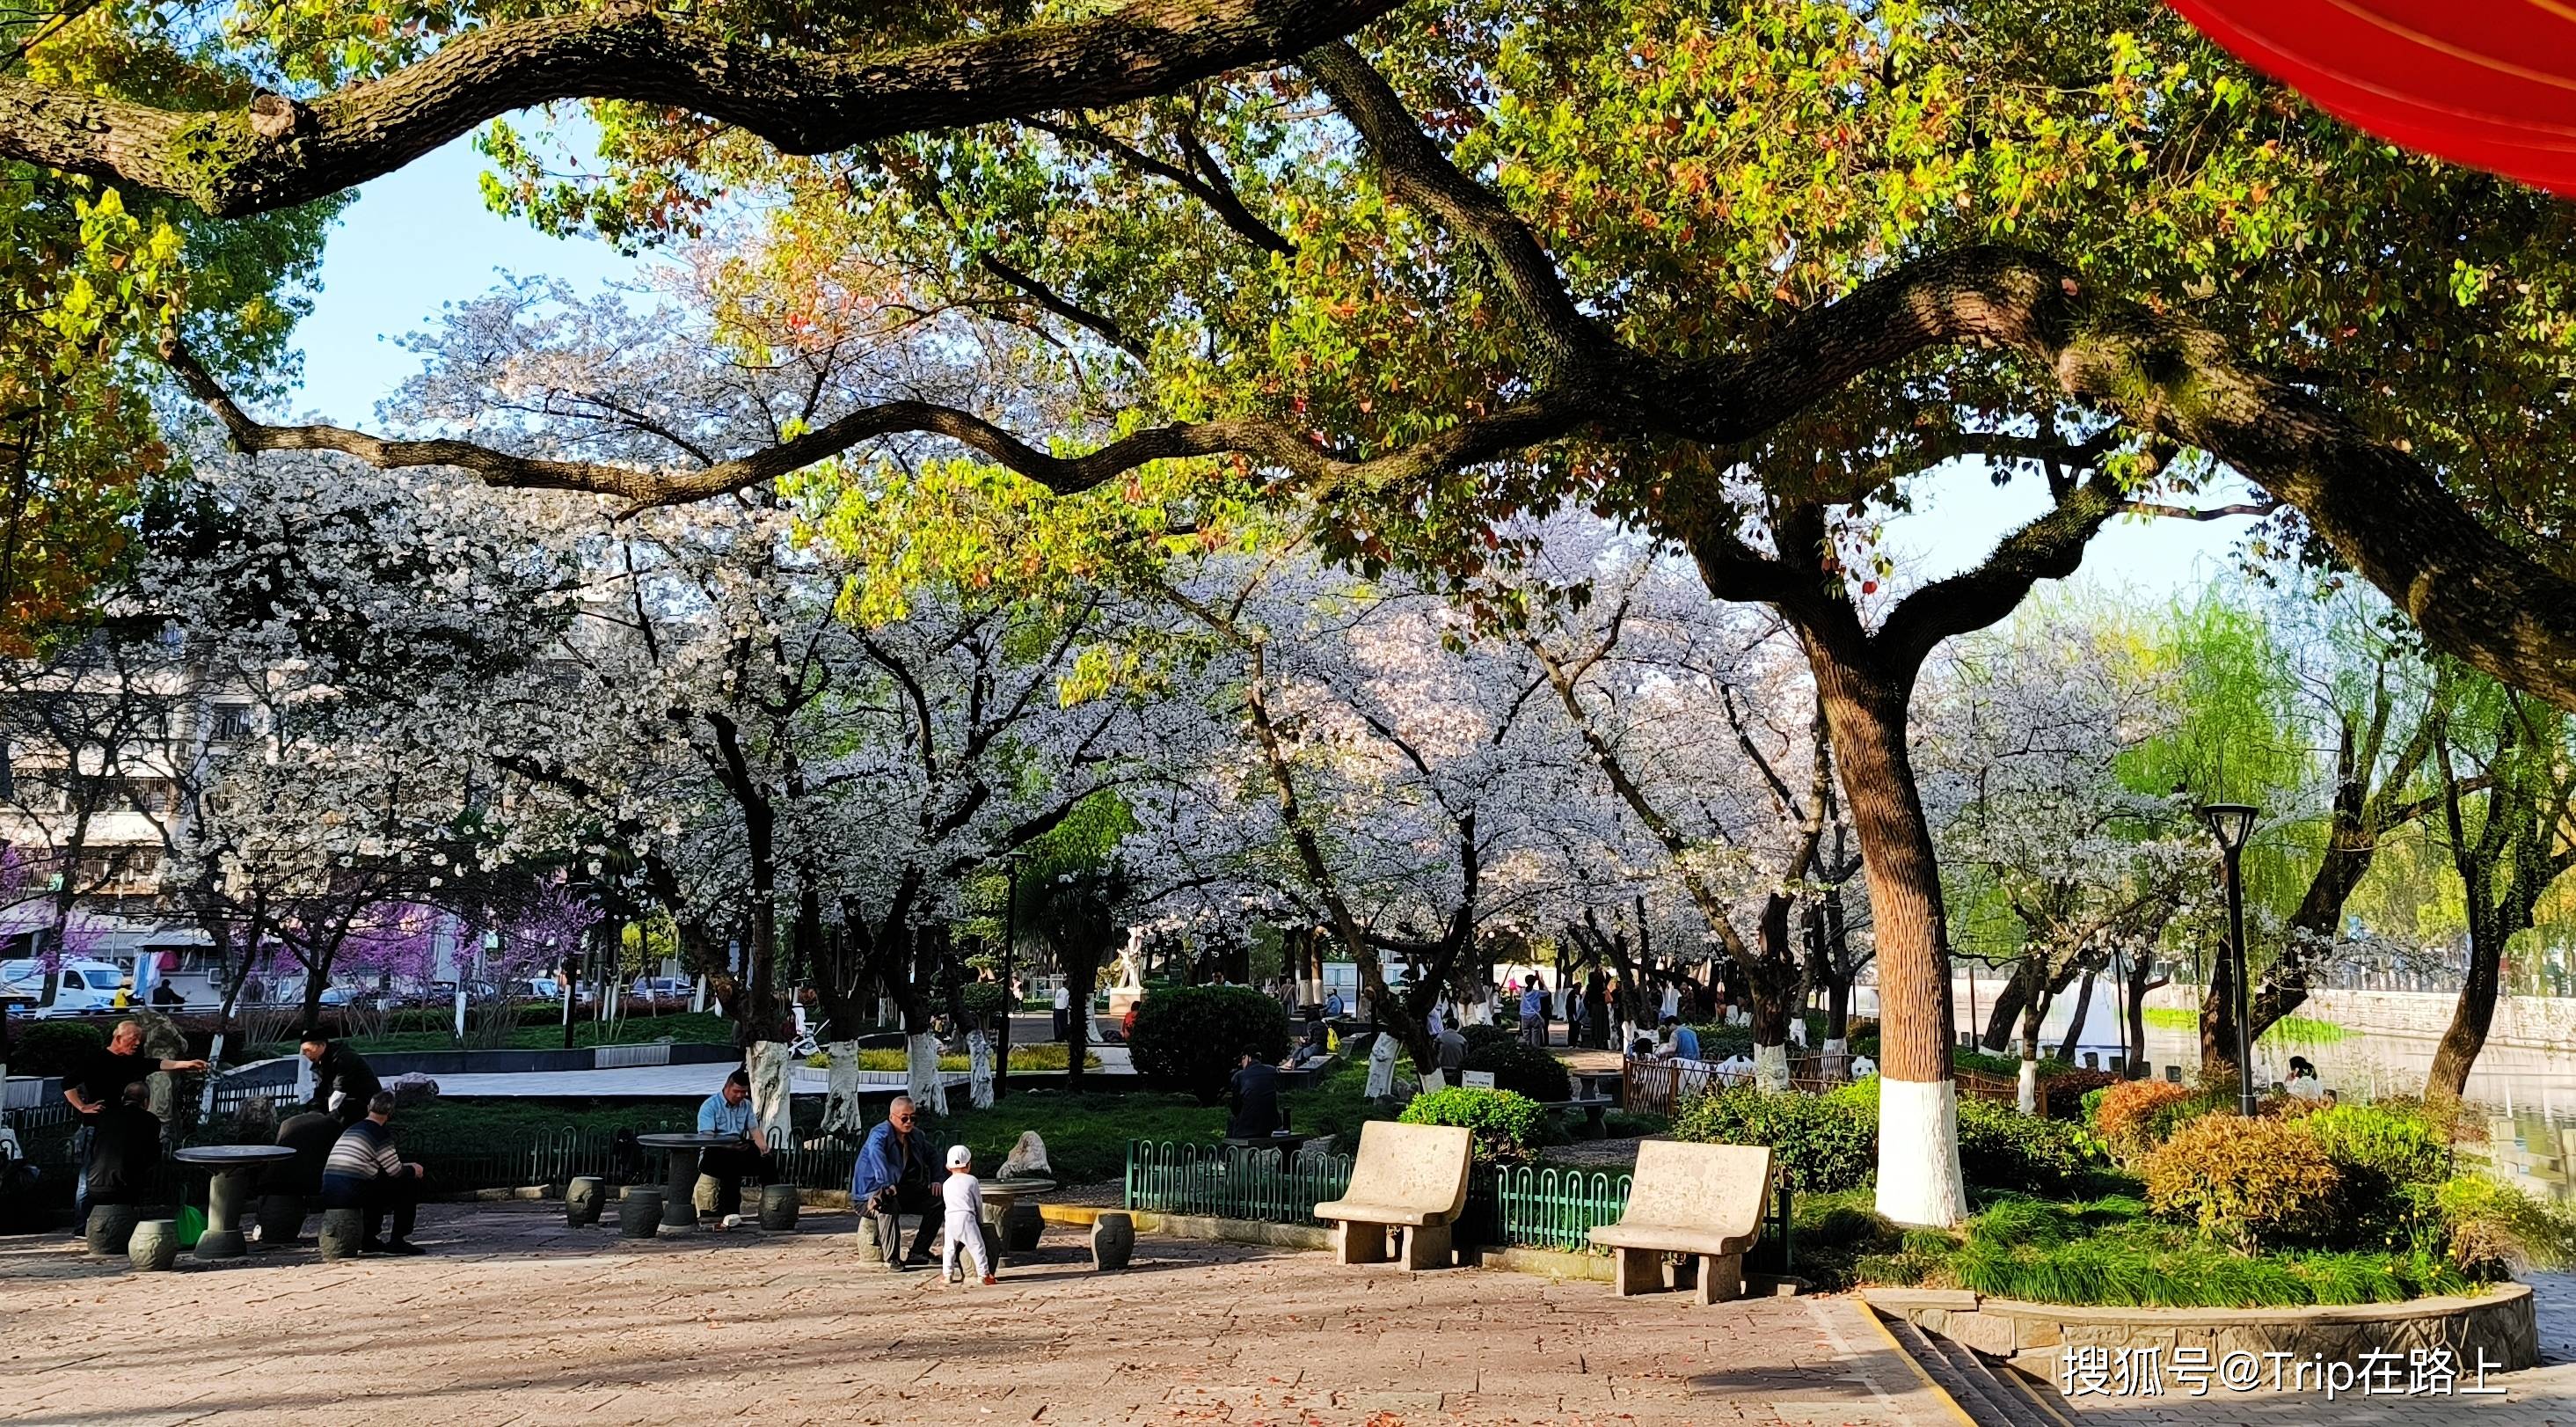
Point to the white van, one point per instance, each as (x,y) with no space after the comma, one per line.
(74,988)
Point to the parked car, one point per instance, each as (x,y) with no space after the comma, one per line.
(659,989)
(75,988)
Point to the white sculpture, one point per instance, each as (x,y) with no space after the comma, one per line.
(979,1068)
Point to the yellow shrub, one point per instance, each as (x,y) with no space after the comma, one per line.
(2248,1181)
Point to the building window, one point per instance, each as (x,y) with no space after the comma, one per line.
(232,721)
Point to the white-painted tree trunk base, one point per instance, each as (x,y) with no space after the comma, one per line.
(1837,1047)
(1771,1069)
(2029,1087)
(921,1072)
(771,1069)
(1381,1076)
(979,1069)
(842,1109)
(1798,1032)
(1919,1179)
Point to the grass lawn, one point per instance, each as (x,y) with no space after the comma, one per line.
(2289,1030)
(2101,1251)
(1086,1134)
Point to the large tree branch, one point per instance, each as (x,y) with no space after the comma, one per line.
(275,153)
(1416,171)
(2048,548)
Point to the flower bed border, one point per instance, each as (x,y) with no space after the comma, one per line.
(2500,1322)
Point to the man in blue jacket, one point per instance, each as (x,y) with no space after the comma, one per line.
(893,1177)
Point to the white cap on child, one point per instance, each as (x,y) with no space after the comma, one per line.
(959,1157)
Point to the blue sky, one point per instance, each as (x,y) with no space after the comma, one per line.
(421,237)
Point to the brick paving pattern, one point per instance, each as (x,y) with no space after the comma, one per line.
(516,1319)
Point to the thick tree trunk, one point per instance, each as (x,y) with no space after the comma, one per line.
(2218,1020)
(2018,989)
(2473,1016)
(2075,1022)
(1919,1177)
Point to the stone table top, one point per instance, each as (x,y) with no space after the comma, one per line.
(233,1156)
(689,1140)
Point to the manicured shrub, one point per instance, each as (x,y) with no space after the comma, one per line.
(1189,1038)
(2251,1182)
(52,1047)
(2000,1147)
(1507,1125)
(1523,1068)
(2132,1115)
(1829,1141)
(982,1000)
(1478,1037)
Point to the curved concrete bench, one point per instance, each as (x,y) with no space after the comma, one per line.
(1408,1178)
(1700,1200)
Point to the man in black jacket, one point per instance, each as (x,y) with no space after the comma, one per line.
(343,1082)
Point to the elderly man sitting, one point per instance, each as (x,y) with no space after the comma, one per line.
(729,1112)
(365,1173)
(893,1178)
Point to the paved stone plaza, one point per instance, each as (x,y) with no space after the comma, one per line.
(516,1319)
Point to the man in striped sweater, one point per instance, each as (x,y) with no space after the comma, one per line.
(363,1172)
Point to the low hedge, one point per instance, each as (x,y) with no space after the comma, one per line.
(1831,1140)
(1520,1067)
(52,1047)
(1507,1125)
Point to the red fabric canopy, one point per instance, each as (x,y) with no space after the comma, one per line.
(2491,83)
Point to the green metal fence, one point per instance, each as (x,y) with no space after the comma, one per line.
(1226,1182)
(1521,1206)
(1517,1205)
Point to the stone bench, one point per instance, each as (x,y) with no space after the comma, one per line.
(1411,1179)
(1595,1108)
(1699,1201)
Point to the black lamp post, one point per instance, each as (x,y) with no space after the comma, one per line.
(2232,824)
(1010,1002)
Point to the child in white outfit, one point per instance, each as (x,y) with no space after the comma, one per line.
(963,1195)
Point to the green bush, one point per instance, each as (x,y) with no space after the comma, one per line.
(1523,1068)
(1507,1125)
(2104,1252)
(982,1000)
(2379,1153)
(2000,1146)
(52,1047)
(1829,1141)
(2252,1182)
(1189,1038)
(2071,1090)
(2492,1228)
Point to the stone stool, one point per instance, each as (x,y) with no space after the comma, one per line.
(582,1199)
(639,1214)
(111,1226)
(154,1245)
(778,1206)
(1113,1240)
(1023,1226)
(281,1219)
(344,1231)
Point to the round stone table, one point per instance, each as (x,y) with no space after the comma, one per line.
(680,1198)
(234,1170)
(1000,1197)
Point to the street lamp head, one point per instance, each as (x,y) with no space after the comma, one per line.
(2230,823)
